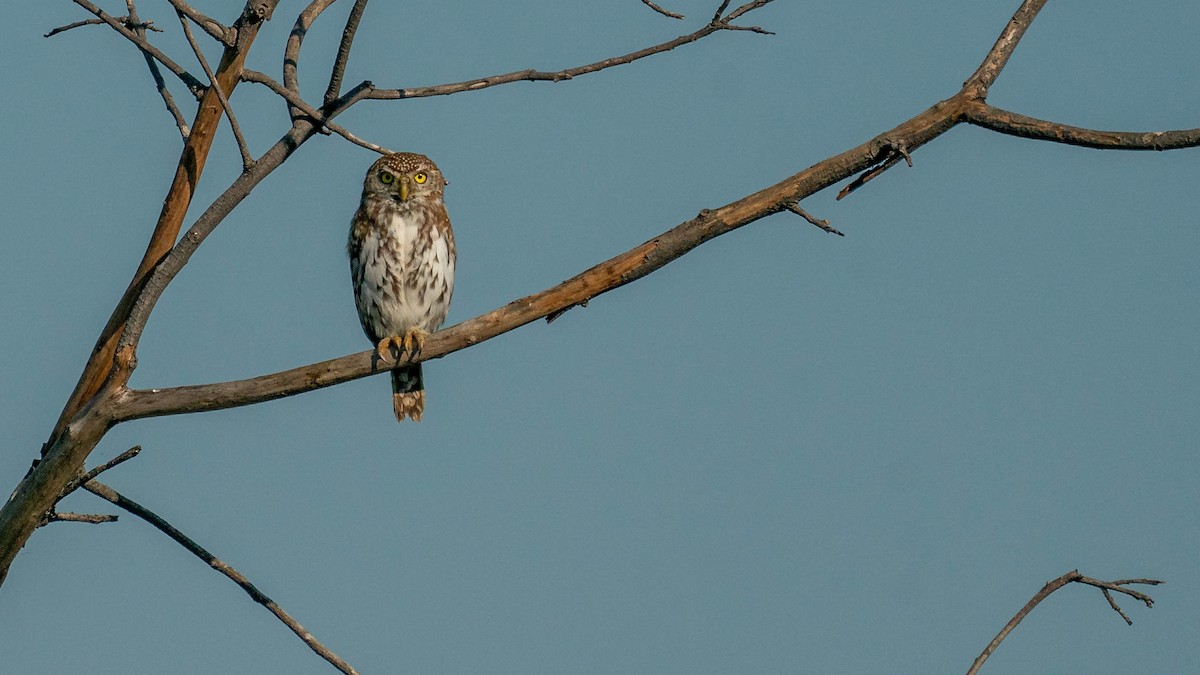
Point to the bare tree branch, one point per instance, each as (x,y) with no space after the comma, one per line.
(247,161)
(119,459)
(660,10)
(128,21)
(187,173)
(315,115)
(819,222)
(188,79)
(343,54)
(222,33)
(291,53)
(92,518)
(171,263)
(82,422)
(985,76)
(1070,577)
(718,24)
(107,493)
(990,117)
(159,84)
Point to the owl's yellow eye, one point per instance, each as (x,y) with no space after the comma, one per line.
(420,177)
(386,178)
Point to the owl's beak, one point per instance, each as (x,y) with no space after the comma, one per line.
(404,188)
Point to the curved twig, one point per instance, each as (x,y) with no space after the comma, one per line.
(717,25)
(107,493)
(291,53)
(1070,577)
(990,117)
(660,10)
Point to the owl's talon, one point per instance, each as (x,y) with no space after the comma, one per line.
(385,346)
(414,342)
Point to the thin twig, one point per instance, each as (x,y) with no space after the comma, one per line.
(247,160)
(1070,577)
(315,115)
(105,492)
(194,85)
(662,11)
(119,459)
(531,75)
(343,54)
(219,31)
(92,518)
(819,222)
(159,84)
(129,21)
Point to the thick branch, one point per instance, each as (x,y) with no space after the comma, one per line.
(984,76)
(1070,577)
(990,117)
(718,24)
(105,492)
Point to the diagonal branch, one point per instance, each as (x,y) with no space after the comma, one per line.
(107,493)
(984,76)
(192,83)
(1070,577)
(315,115)
(717,25)
(219,31)
(159,84)
(247,161)
(174,260)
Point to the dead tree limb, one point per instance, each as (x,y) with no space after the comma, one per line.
(1107,587)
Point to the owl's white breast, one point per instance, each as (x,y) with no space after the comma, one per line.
(407,279)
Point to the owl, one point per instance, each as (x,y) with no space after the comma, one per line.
(402,266)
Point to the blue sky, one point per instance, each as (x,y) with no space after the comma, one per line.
(785,452)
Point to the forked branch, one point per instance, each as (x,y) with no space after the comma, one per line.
(1107,587)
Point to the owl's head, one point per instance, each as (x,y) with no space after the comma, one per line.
(404,177)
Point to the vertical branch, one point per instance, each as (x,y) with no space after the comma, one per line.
(343,55)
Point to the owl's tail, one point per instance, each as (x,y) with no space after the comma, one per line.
(408,393)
